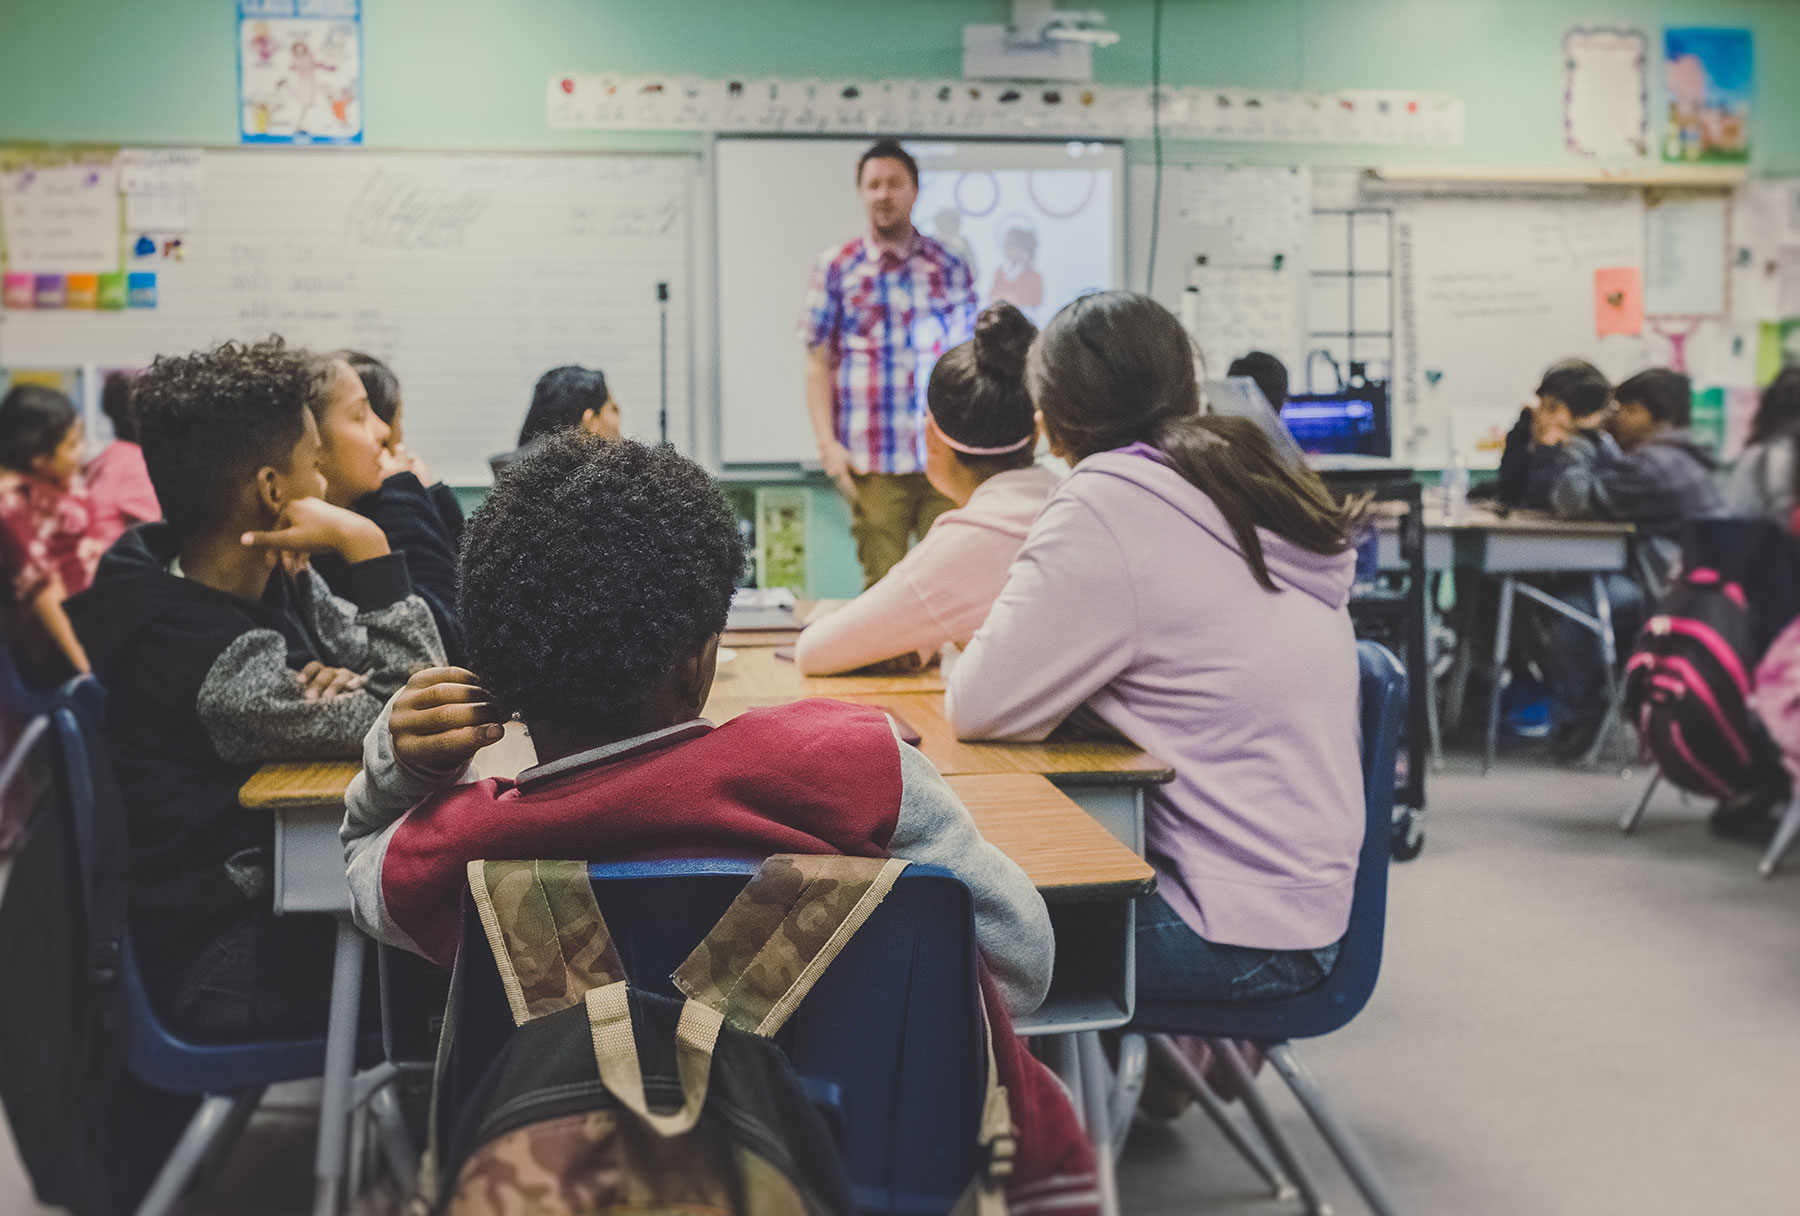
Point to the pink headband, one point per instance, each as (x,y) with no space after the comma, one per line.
(958,446)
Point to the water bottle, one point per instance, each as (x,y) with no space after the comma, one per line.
(1456,489)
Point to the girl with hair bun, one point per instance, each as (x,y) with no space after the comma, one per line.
(981,440)
(1190,589)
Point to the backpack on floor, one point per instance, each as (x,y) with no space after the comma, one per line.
(1687,686)
(608,1098)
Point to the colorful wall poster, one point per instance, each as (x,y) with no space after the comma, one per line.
(1709,76)
(300,75)
(1618,300)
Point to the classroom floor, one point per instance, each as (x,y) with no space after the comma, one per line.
(1569,1021)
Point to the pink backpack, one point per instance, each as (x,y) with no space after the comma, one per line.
(1775,697)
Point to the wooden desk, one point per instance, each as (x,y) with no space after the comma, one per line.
(757,675)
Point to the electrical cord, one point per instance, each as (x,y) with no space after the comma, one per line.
(1156,141)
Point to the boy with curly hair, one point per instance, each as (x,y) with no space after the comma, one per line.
(220,651)
(595,584)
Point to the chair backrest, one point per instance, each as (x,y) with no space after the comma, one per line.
(1382,685)
(891,1035)
(157,1057)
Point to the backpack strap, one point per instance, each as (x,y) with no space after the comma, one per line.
(784,928)
(549,940)
(986,1193)
(616,1054)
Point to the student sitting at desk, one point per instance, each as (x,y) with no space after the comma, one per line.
(1765,482)
(1572,406)
(220,651)
(1192,591)
(46,529)
(1649,472)
(118,483)
(980,452)
(385,402)
(567,398)
(596,582)
(362,474)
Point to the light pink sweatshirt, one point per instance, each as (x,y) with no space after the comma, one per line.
(1130,595)
(942,590)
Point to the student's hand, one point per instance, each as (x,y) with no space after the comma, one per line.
(1549,428)
(321,683)
(441,719)
(312,525)
(836,459)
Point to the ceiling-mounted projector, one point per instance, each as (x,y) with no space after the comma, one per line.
(1041,42)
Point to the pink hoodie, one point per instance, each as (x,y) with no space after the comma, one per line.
(1130,596)
(942,590)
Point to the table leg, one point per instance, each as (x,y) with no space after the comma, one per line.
(1432,726)
(1609,653)
(1096,1094)
(340,1063)
(1501,674)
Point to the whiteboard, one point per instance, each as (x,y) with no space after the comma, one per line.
(1241,219)
(1493,291)
(470,274)
(782,203)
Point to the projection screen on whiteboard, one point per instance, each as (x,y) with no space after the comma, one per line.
(1038,222)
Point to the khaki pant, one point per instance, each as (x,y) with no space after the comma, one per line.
(889,509)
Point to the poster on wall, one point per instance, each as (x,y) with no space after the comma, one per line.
(300,78)
(1709,77)
(1605,96)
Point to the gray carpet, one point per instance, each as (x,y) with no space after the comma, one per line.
(1568,1022)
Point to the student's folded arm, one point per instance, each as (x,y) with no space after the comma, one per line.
(1062,628)
(374,624)
(1581,489)
(886,621)
(255,711)
(1012,925)
(378,799)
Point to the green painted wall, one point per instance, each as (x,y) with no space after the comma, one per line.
(472,73)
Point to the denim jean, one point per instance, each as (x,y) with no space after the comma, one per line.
(1574,665)
(1176,964)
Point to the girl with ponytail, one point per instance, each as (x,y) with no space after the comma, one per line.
(1190,589)
(981,440)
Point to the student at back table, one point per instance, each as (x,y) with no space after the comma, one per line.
(596,582)
(1192,591)
(1572,406)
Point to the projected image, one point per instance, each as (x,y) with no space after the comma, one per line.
(1036,238)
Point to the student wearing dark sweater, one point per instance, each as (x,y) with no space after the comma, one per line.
(363,475)
(1572,407)
(220,650)
(386,403)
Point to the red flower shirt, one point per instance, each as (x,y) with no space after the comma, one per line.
(46,532)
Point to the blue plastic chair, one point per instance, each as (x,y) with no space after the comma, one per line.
(1271,1024)
(888,1043)
(231,1077)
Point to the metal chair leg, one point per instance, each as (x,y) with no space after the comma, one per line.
(1128,1086)
(1502,675)
(1635,815)
(213,1117)
(1344,1144)
(1278,1143)
(1615,687)
(1785,832)
(396,1144)
(1169,1056)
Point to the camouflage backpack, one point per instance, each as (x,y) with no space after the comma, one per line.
(607,1098)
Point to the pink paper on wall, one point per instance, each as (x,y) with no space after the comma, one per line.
(1618,300)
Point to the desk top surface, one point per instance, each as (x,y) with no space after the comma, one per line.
(1065,852)
(1480,518)
(1084,763)
(756,674)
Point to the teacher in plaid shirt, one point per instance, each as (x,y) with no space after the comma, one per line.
(879,311)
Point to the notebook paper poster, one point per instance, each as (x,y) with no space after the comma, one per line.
(1605,101)
(1618,301)
(300,71)
(60,218)
(1685,250)
(1708,75)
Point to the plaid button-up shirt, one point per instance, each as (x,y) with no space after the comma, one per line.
(886,315)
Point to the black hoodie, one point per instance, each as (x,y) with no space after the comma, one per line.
(201,690)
